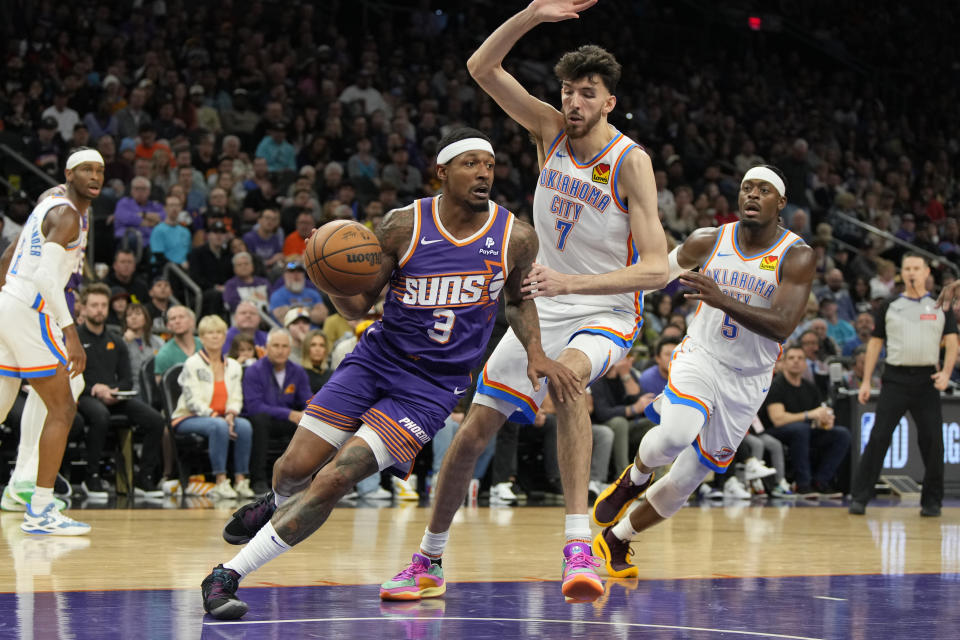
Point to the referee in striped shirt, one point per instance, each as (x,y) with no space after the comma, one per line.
(913,326)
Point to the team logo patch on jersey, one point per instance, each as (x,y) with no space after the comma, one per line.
(724,453)
(601,173)
(290,388)
(769,263)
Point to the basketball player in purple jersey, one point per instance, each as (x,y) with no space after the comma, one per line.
(753,286)
(446,260)
(601,244)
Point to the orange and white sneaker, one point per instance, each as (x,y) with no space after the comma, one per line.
(580,580)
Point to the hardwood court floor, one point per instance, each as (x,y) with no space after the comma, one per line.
(718,553)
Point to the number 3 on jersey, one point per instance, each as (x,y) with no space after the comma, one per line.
(443,326)
(729,329)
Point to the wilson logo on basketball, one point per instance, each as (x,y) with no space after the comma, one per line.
(769,263)
(372,257)
(601,173)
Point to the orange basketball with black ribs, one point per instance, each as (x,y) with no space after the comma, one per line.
(343,258)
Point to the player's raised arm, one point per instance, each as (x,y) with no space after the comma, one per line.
(394,237)
(786,305)
(525,322)
(486,65)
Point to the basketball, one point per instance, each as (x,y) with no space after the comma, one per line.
(343,258)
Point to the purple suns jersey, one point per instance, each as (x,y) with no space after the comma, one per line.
(442,302)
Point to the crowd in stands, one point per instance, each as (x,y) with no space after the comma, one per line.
(231,129)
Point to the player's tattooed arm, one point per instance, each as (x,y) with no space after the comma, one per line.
(300,516)
(524,320)
(394,237)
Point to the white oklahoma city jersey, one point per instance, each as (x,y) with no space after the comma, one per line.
(26,259)
(752,279)
(581,219)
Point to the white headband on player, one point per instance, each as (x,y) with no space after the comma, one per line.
(454,149)
(85,155)
(765,174)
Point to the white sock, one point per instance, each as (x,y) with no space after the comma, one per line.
(31,425)
(577,527)
(264,547)
(637,477)
(42,496)
(624,529)
(279,499)
(433,544)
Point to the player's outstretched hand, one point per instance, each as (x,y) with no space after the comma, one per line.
(707,290)
(949,295)
(565,383)
(543,281)
(557,10)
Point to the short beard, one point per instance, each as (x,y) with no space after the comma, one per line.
(586,128)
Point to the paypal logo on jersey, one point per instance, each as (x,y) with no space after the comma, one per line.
(488,251)
(452,290)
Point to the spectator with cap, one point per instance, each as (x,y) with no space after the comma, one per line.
(124,274)
(171,241)
(294,292)
(244,285)
(65,116)
(45,151)
(210,267)
(274,148)
(207,117)
(297,322)
(275,393)
(117,311)
(136,215)
(246,323)
(160,296)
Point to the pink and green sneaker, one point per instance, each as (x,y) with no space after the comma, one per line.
(580,580)
(421,579)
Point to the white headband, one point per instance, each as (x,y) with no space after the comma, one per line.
(454,149)
(85,155)
(762,173)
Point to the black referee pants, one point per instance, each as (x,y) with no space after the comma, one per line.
(905,389)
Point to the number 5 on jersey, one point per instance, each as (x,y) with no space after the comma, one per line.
(729,329)
(443,326)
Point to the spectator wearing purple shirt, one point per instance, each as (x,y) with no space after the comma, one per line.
(137,212)
(265,240)
(244,286)
(275,393)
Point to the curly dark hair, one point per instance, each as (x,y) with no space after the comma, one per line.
(589,60)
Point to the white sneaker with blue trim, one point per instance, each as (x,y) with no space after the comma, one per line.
(52,522)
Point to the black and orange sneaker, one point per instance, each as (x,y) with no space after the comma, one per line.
(616,555)
(219,591)
(616,498)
